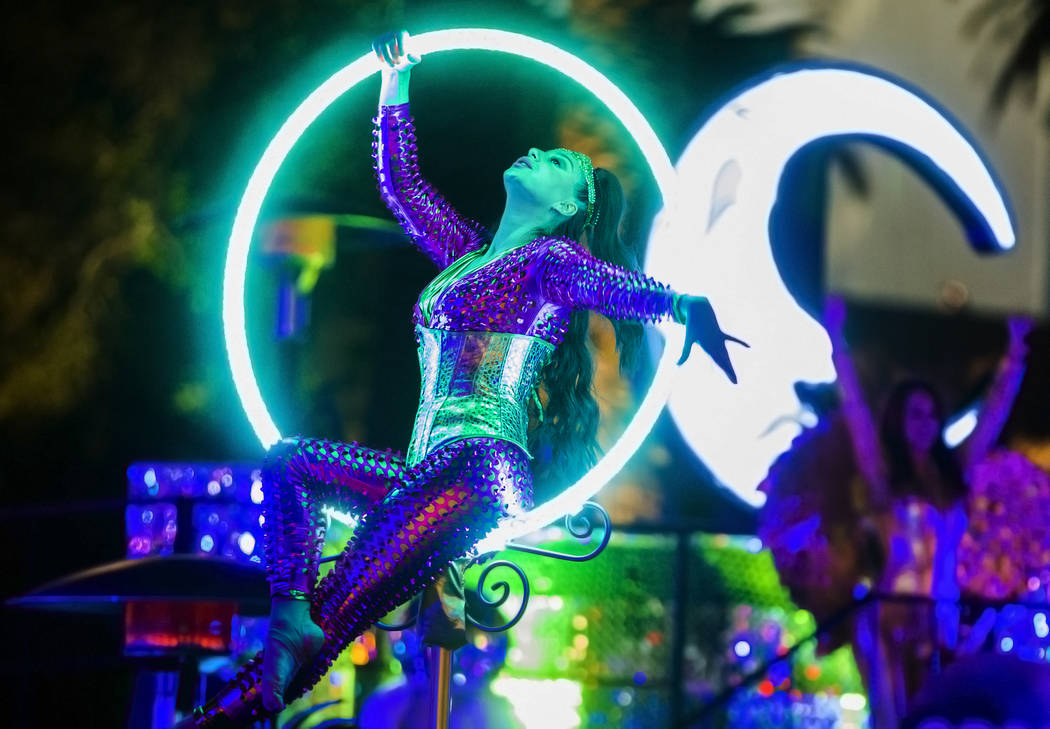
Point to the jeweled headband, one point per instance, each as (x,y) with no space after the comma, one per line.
(588,176)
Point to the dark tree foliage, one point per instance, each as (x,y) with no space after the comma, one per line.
(1024,25)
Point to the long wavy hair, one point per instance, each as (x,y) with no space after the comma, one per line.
(903,480)
(565,442)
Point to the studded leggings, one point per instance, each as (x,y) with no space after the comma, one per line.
(415,522)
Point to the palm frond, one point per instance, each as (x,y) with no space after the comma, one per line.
(1028,23)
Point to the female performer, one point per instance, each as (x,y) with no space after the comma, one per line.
(917,487)
(505,315)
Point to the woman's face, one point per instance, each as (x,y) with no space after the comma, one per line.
(922,425)
(547,179)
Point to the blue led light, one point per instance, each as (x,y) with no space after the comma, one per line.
(257,492)
(246,542)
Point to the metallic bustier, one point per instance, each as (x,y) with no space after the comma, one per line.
(474,385)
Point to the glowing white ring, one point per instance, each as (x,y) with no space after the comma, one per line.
(570,500)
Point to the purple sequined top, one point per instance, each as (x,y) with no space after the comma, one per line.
(485,336)
(530,290)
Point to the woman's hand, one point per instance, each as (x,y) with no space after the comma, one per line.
(397,64)
(292,642)
(701,327)
(391,52)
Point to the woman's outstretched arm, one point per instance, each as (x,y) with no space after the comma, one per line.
(428,219)
(859,421)
(1001,394)
(571,276)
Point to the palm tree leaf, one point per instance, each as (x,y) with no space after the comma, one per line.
(1021,70)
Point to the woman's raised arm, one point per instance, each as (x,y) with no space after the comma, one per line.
(1001,394)
(859,421)
(426,217)
(573,277)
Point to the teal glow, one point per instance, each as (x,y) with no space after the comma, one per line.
(311,108)
(347,520)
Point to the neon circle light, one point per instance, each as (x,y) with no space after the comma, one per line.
(233,315)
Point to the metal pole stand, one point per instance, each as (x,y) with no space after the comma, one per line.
(443,614)
(440,667)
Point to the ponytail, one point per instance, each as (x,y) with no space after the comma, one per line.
(566,440)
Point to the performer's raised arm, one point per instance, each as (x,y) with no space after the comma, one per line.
(428,219)
(1001,395)
(573,277)
(859,420)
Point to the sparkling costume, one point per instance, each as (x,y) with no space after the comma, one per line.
(484,336)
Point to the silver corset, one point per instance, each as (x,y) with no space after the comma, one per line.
(474,385)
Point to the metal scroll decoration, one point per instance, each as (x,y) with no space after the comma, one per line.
(504,592)
(577,531)
(578,525)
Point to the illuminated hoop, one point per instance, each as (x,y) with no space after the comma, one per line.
(233,319)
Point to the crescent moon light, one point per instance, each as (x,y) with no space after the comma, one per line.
(731,171)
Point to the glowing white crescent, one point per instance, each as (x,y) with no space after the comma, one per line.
(731,170)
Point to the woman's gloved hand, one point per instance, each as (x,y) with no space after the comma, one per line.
(701,327)
(391,50)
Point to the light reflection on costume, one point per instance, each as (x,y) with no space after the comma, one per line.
(484,336)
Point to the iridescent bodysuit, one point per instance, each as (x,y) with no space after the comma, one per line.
(484,338)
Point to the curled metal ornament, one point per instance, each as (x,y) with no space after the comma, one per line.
(503,588)
(580,527)
(297,721)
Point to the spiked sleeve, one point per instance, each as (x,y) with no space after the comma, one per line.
(573,277)
(428,219)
